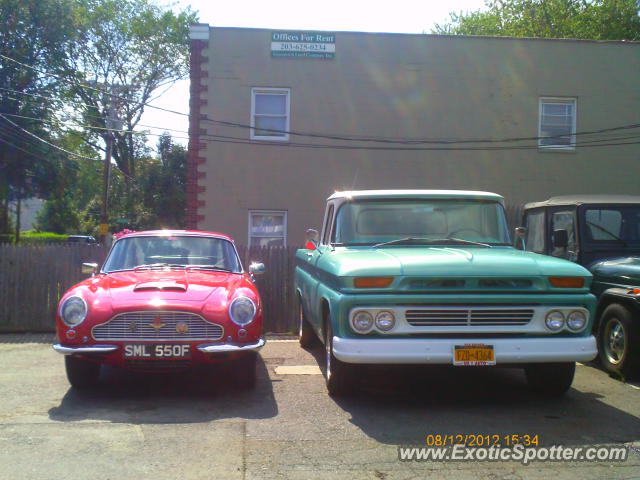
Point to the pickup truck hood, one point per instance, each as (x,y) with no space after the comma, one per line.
(445,262)
(622,271)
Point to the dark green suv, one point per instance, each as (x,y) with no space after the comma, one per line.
(602,233)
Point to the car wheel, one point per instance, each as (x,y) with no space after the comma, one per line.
(616,335)
(339,375)
(81,373)
(306,335)
(244,371)
(552,379)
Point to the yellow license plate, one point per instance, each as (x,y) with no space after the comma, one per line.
(473,355)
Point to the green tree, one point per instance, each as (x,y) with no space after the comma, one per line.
(36,33)
(596,19)
(127,51)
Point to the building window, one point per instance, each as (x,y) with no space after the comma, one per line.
(267,228)
(558,122)
(270,114)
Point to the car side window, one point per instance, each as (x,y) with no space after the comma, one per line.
(326,232)
(564,220)
(534,240)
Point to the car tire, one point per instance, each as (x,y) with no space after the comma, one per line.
(306,335)
(339,375)
(81,373)
(244,371)
(552,379)
(616,336)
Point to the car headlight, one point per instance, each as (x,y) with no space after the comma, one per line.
(362,321)
(576,320)
(385,321)
(73,310)
(554,320)
(242,311)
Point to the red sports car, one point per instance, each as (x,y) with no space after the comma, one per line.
(163,301)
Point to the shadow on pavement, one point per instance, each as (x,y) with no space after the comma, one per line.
(401,405)
(196,396)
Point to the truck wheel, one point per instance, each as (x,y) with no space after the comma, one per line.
(243,371)
(552,379)
(616,336)
(81,373)
(338,374)
(306,335)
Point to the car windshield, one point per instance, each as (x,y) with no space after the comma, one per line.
(175,251)
(421,221)
(619,225)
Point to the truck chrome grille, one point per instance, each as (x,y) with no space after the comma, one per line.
(468,317)
(157,325)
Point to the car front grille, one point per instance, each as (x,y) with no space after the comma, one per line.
(468,317)
(157,325)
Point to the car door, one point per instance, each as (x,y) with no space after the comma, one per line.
(563,218)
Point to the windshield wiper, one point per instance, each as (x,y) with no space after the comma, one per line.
(208,267)
(151,266)
(602,229)
(430,241)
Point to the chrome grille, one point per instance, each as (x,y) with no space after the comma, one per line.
(468,317)
(158,325)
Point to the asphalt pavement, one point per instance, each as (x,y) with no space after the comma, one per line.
(198,426)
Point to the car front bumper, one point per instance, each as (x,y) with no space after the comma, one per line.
(440,351)
(204,348)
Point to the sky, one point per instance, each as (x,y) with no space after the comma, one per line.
(395,16)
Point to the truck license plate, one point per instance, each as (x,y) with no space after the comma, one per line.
(157,351)
(473,355)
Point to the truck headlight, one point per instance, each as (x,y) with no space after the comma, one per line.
(73,310)
(362,321)
(385,320)
(554,320)
(576,320)
(242,310)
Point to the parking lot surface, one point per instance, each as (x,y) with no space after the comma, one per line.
(198,426)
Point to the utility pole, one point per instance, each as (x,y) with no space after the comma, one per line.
(112,123)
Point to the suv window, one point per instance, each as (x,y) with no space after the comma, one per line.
(564,220)
(534,241)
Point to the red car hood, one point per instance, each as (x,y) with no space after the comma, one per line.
(184,285)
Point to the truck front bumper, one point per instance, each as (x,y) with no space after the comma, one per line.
(440,350)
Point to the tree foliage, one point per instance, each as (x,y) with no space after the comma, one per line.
(35,33)
(126,51)
(596,19)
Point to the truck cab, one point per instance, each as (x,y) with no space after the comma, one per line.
(432,277)
(601,233)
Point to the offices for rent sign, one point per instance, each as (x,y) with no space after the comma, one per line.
(303,44)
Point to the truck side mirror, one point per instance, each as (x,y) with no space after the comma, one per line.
(560,238)
(519,235)
(312,239)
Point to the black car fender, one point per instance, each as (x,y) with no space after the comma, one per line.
(623,296)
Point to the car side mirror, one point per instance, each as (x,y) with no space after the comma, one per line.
(312,239)
(519,236)
(89,268)
(256,268)
(560,238)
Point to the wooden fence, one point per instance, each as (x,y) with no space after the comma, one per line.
(34,277)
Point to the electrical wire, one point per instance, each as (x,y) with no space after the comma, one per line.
(353,138)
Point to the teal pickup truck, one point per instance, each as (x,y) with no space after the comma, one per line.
(431,277)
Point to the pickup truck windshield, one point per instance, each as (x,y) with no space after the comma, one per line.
(371,222)
(172,252)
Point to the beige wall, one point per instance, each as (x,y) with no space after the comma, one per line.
(412,86)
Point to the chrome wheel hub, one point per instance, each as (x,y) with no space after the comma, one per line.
(614,341)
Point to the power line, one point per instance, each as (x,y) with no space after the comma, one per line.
(353,138)
(45,141)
